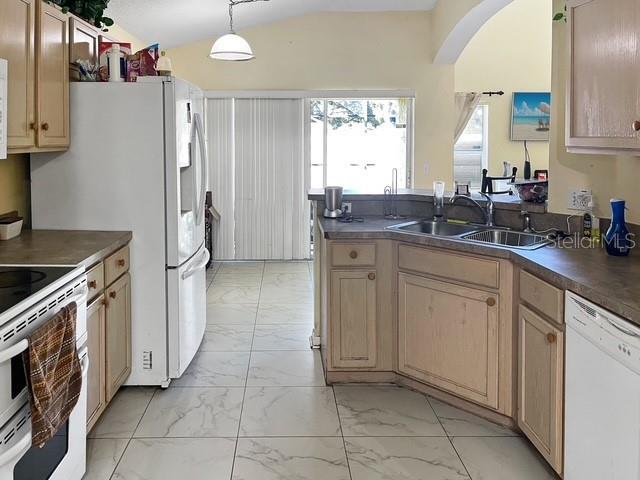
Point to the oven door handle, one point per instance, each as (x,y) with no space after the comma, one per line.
(12,351)
(77,297)
(84,355)
(17,450)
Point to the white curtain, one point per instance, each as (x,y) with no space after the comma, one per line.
(220,146)
(259,171)
(466,104)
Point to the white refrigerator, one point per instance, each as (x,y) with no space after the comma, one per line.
(137,162)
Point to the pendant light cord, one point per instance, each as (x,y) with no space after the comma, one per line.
(233,3)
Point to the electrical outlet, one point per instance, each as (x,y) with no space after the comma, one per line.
(580,200)
(346,207)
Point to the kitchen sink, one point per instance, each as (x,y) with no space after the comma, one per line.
(442,229)
(508,238)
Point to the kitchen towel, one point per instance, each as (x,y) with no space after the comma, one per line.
(54,375)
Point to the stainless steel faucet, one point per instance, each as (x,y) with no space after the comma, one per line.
(488,210)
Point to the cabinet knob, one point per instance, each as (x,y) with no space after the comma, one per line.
(93,284)
(121,262)
(491,302)
(45,126)
(372,276)
(636,126)
(113,294)
(353,254)
(33,126)
(551,337)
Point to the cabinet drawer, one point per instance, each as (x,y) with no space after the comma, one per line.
(116,265)
(95,280)
(353,254)
(542,297)
(462,268)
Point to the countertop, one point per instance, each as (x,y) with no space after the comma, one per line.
(61,247)
(612,282)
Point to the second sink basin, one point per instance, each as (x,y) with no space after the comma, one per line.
(442,229)
(526,241)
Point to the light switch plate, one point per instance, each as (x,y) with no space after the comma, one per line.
(580,200)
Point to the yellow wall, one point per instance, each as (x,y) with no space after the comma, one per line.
(123,36)
(512,52)
(14,185)
(608,176)
(344,51)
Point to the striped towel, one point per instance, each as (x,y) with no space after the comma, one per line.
(54,375)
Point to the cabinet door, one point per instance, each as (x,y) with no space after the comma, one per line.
(448,337)
(17,45)
(353,319)
(540,385)
(52,73)
(96,395)
(83,41)
(603,100)
(118,334)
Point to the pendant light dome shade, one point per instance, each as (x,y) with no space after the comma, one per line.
(231,47)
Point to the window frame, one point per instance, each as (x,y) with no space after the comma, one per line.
(485,140)
(363,96)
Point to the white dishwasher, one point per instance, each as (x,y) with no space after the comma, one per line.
(602,394)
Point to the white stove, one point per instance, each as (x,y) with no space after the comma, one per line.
(29,297)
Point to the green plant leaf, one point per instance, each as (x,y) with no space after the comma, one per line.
(558,16)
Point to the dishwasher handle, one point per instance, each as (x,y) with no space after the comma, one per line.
(621,328)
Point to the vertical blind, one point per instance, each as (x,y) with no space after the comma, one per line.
(260,171)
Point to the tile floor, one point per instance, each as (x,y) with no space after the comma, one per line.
(254,406)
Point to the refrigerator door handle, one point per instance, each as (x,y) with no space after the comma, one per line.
(199,132)
(199,266)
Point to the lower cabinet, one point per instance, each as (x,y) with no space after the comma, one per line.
(353,319)
(96,396)
(118,336)
(448,337)
(540,385)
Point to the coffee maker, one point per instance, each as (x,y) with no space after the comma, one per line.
(333,202)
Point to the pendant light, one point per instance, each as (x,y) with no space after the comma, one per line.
(232,47)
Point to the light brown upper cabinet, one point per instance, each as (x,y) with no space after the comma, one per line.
(17,45)
(448,336)
(52,73)
(34,37)
(603,99)
(83,43)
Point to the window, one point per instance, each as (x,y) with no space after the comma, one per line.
(356,143)
(471,152)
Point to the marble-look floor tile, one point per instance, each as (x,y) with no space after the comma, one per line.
(385,411)
(281,337)
(287,280)
(459,423)
(241,267)
(233,314)
(230,294)
(290,459)
(237,280)
(184,458)
(227,338)
(192,412)
(276,314)
(103,454)
(289,369)
(123,414)
(289,412)
(215,369)
(501,458)
(286,267)
(393,458)
(292,295)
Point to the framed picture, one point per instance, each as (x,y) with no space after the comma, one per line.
(531,116)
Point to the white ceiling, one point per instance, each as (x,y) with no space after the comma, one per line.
(177,22)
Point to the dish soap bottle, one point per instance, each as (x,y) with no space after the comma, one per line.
(617,239)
